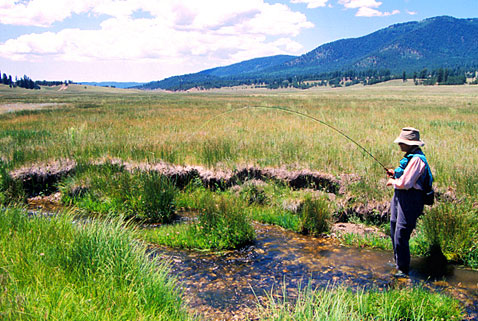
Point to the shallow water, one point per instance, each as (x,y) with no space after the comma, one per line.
(228,285)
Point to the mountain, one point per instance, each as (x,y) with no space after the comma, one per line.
(439,42)
(241,70)
(432,43)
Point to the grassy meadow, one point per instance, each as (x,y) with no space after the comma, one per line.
(181,129)
(214,129)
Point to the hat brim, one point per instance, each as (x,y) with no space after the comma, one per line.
(409,142)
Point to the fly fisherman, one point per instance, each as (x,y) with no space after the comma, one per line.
(409,180)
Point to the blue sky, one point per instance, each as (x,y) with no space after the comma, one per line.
(145,40)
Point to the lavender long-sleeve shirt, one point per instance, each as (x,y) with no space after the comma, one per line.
(412,172)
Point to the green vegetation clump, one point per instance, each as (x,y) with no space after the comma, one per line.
(222,223)
(315,217)
(55,269)
(454,229)
(113,191)
(342,304)
(10,191)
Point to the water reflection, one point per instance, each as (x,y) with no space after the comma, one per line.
(225,285)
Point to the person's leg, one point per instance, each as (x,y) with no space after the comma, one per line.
(402,247)
(393,224)
(409,205)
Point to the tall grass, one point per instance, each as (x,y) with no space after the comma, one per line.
(11,191)
(111,190)
(222,223)
(315,217)
(163,127)
(153,127)
(454,229)
(54,269)
(342,304)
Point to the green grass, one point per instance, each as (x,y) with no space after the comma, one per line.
(147,126)
(454,229)
(315,217)
(144,126)
(222,223)
(275,216)
(54,269)
(110,190)
(336,304)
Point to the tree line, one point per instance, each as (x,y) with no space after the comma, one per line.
(304,80)
(27,83)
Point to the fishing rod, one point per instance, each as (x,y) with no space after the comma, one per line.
(303,115)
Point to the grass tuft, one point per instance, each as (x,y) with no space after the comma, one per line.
(315,217)
(54,269)
(342,304)
(221,224)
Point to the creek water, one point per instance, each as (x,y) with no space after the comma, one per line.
(229,285)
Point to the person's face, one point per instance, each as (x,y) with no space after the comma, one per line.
(404,147)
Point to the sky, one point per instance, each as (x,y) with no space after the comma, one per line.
(147,40)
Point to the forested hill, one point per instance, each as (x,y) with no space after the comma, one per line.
(439,42)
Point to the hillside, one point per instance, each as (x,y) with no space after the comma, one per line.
(439,42)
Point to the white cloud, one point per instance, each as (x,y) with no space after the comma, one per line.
(367,8)
(352,4)
(412,13)
(193,33)
(369,12)
(312,3)
(40,13)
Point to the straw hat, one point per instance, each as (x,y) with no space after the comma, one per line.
(409,136)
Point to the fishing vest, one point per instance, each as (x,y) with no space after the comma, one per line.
(425,181)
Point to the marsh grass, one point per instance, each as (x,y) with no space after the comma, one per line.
(54,269)
(366,240)
(153,127)
(342,304)
(276,216)
(316,216)
(112,191)
(11,191)
(222,223)
(157,127)
(454,229)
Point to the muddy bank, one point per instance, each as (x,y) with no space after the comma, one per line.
(36,177)
(42,179)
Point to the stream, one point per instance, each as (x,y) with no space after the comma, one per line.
(229,285)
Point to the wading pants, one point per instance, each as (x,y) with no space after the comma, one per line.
(405,208)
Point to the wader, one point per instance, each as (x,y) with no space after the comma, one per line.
(405,208)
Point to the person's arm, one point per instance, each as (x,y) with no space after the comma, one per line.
(412,172)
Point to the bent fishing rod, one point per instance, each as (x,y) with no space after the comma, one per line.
(303,115)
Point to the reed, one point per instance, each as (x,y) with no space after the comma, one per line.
(454,229)
(56,268)
(222,223)
(316,216)
(111,190)
(340,303)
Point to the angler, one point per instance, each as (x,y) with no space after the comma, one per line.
(412,181)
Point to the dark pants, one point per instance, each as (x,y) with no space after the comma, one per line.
(405,208)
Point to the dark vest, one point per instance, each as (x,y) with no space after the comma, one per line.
(426,179)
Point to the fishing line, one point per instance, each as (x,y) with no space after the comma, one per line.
(299,114)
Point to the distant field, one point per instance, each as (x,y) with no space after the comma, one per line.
(84,122)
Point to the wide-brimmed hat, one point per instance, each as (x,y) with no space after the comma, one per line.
(409,136)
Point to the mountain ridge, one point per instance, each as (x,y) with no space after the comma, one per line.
(437,42)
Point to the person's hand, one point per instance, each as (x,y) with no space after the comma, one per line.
(390,172)
(390,182)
